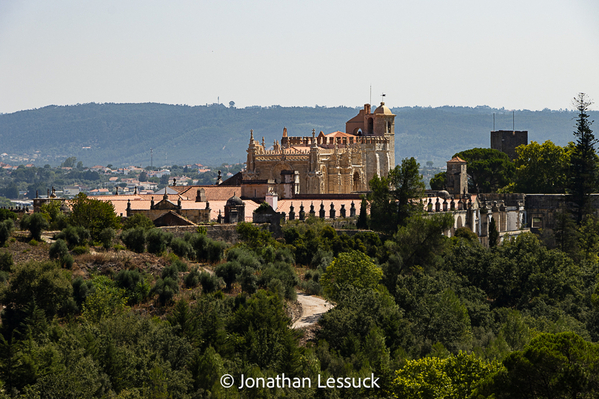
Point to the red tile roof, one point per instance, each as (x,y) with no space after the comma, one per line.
(339,134)
(456,160)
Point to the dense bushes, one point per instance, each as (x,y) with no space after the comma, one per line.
(135,239)
(157,240)
(253,272)
(210,283)
(58,249)
(75,236)
(6,214)
(106,237)
(135,284)
(165,288)
(35,223)
(138,220)
(206,249)
(182,248)
(315,244)
(6,228)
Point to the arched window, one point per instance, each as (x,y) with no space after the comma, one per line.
(356,184)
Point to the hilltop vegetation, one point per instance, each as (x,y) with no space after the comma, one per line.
(447,317)
(430,316)
(122,134)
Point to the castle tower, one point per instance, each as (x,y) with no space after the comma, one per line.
(384,121)
(507,140)
(384,126)
(456,179)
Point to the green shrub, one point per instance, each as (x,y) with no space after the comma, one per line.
(165,289)
(80,250)
(54,214)
(81,288)
(135,285)
(3,277)
(157,240)
(209,282)
(182,248)
(193,278)
(58,249)
(180,265)
(107,236)
(322,259)
(34,243)
(107,300)
(228,272)
(135,239)
(6,228)
(313,275)
(282,272)
(199,243)
(215,251)
(170,271)
(6,262)
(35,223)
(275,285)
(74,236)
(138,220)
(352,268)
(311,287)
(255,237)
(248,280)
(205,248)
(67,261)
(6,214)
(41,285)
(244,257)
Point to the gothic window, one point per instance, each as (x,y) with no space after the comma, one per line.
(356,184)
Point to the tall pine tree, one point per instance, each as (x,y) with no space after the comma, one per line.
(584,173)
(392,198)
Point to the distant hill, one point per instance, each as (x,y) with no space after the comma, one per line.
(122,134)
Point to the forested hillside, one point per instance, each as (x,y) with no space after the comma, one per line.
(123,134)
(416,313)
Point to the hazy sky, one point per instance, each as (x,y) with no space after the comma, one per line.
(525,54)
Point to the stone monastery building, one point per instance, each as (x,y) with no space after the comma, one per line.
(334,163)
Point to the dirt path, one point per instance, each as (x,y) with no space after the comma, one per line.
(312,308)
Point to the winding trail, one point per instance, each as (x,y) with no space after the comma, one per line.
(312,308)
